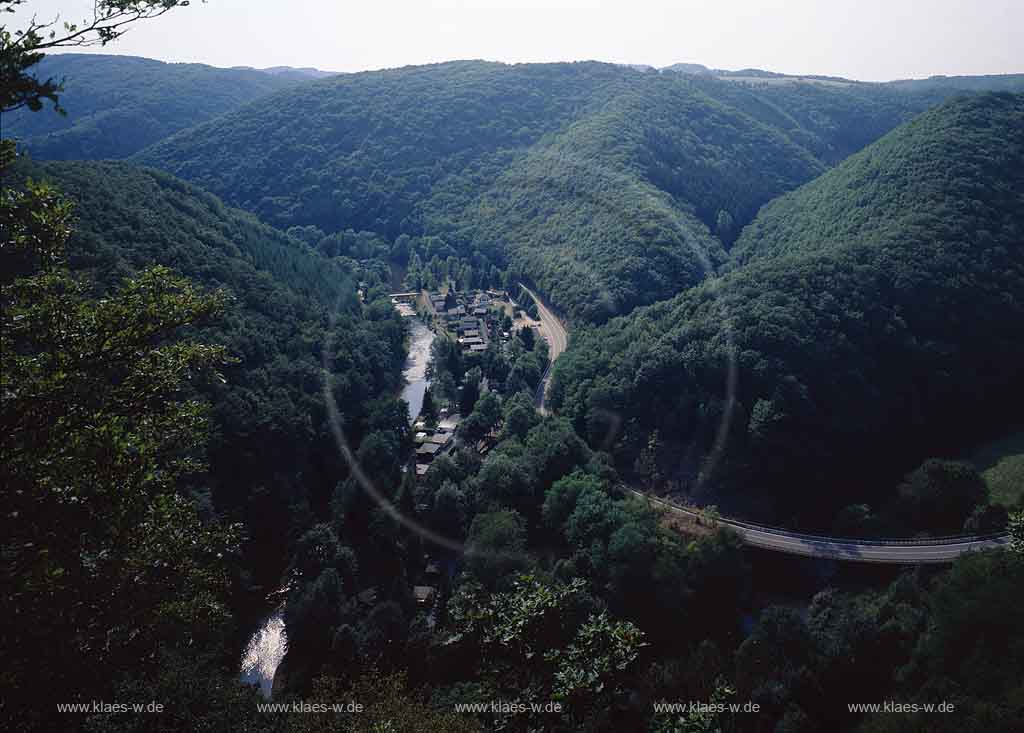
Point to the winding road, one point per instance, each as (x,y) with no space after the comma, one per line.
(917,551)
(553,331)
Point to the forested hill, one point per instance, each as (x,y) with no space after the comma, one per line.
(272,456)
(831,119)
(939,168)
(879,320)
(129,217)
(607,186)
(117,105)
(618,210)
(987,82)
(361,150)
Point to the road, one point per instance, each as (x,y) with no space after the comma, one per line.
(553,331)
(893,552)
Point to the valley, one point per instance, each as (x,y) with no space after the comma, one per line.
(479,395)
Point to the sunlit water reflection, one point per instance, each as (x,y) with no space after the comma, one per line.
(264,653)
(420,339)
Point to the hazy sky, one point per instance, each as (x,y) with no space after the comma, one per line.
(861,39)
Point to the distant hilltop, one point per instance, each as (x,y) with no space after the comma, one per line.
(754,74)
(292,71)
(991,82)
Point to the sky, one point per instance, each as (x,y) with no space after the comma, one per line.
(871,40)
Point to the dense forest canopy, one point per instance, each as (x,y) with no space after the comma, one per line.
(795,298)
(829,120)
(619,209)
(981,83)
(608,187)
(851,311)
(117,105)
(366,147)
(271,452)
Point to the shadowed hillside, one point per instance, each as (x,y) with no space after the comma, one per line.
(117,105)
(874,316)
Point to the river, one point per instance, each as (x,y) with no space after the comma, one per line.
(264,652)
(268,645)
(415,373)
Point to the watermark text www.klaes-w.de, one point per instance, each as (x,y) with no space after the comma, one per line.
(894,706)
(508,707)
(713,708)
(299,706)
(100,707)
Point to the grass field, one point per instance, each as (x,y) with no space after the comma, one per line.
(1001,463)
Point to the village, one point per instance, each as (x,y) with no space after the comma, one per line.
(475,320)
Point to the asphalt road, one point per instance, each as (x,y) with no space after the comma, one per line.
(554,333)
(901,552)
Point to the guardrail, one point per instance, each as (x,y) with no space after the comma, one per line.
(782,532)
(541,390)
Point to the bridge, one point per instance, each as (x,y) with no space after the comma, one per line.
(911,551)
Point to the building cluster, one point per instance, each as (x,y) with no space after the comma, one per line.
(474,319)
(430,445)
(470,316)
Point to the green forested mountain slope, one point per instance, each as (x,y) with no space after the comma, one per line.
(880,322)
(981,83)
(117,105)
(939,168)
(606,186)
(619,209)
(598,177)
(272,452)
(130,217)
(830,120)
(361,150)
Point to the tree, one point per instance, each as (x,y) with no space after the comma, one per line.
(484,418)
(1016,529)
(700,719)
(528,337)
(386,703)
(561,499)
(505,482)
(593,663)
(470,390)
(973,644)
(443,386)
(709,516)
(556,450)
(724,226)
(428,411)
(106,559)
(414,274)
(776,664)
(647,463)
(22,49)
(318,550)
(520,416)
(448,518)
(496,547)
(313,612)
(940,495)
(540,641)
(986,519)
